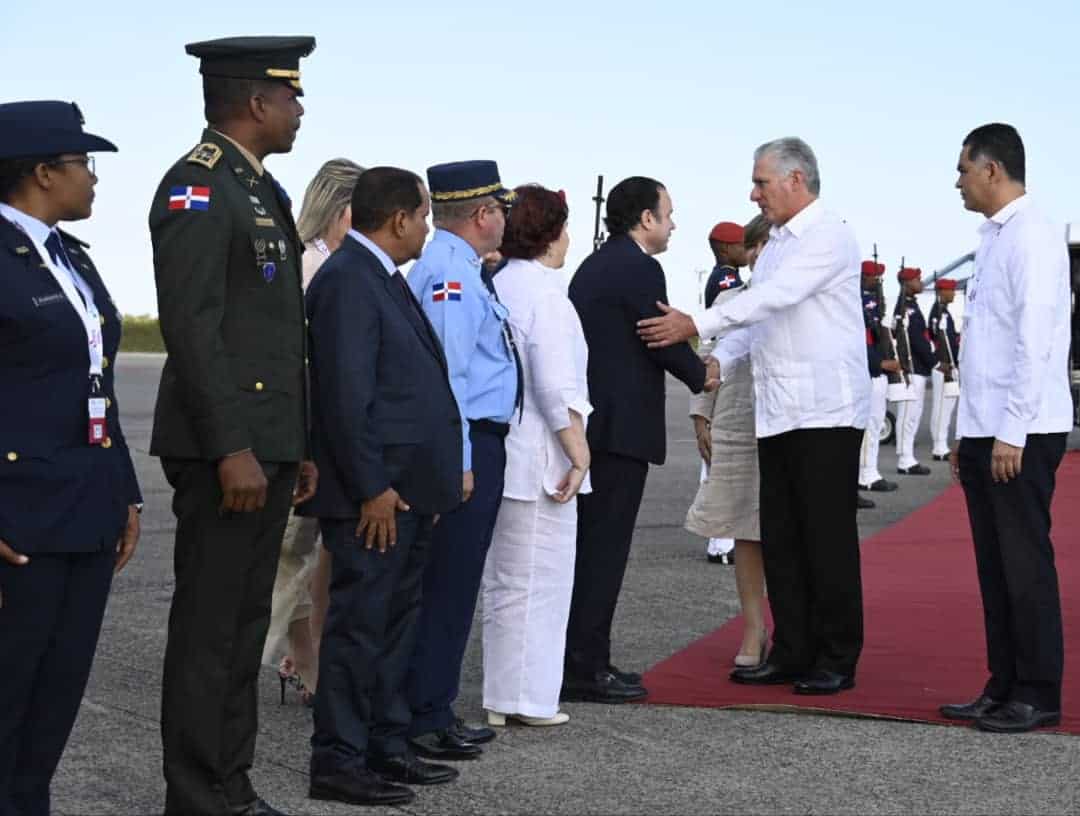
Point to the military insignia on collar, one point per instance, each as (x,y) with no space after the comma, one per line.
(207,154)
(259,208)
(21,250)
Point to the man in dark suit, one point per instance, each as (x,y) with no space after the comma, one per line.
(387,439)
(230,424)
(613,288)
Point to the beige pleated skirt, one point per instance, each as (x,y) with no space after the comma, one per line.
(727,503)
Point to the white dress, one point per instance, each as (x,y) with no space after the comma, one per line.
(529,573)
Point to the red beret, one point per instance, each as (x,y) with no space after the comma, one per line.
(872,270)
(945,284)
(910,273)
(727,233)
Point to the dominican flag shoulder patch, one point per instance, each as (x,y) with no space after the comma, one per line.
(446,290)
(189,198)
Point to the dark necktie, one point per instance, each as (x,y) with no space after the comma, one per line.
(519,395)
(60,257)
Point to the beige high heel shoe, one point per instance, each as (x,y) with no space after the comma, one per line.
(498,720)
(745,661)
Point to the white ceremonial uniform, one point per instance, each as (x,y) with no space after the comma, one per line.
(802,326)
(1014,359)
(868,456)
(529,573)
(908,416)
(941,406)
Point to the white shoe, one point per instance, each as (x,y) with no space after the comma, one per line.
(496,719)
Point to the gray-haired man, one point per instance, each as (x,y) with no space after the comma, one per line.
(801,324)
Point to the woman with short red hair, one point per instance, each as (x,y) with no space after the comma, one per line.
(529,574)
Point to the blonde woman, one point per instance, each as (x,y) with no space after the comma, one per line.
(727,504)
(301,589)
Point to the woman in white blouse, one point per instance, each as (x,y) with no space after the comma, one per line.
(301,589)
(529,574)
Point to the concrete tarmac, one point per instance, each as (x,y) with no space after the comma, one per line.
(610,759)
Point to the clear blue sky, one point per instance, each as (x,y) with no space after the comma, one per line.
(557,92)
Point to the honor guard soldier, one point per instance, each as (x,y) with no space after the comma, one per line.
(231,419)
(468,203)
(909,414)
(941,411)
(870,477)
(69,499)
(726,243)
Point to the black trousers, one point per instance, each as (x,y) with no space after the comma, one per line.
(606,519)
(810,546)
(49,625)
(1010,525)
(360,705)
(225,568)
(459,546)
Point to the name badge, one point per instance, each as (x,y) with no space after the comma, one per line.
(97,420)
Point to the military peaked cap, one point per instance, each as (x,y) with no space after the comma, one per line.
(462,181)
(267,58)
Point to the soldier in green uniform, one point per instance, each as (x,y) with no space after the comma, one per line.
(230,424)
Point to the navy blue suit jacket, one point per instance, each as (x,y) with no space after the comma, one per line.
(58,494)
(383,414)
(612,289)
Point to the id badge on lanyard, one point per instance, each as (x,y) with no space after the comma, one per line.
(73,286)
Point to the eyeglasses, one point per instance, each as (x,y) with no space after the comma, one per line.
(85,161)
(495,205)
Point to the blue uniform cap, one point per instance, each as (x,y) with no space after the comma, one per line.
(465,180)
(45,128)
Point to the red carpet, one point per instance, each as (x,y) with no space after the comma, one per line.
(924,634)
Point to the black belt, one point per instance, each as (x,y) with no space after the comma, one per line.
(500,429)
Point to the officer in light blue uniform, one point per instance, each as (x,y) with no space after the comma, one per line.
(469,206)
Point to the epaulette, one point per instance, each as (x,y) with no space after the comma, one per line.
(74,238)
(207,154)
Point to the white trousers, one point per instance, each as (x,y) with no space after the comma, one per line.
(908,417)
(716,546)
(871,443)
(941,414)
(528,581)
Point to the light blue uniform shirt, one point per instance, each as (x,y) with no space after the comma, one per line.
(469,322)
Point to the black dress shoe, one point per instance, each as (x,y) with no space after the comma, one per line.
(445,746)
(941,458)
(406,769)
(764,674)
(822,681)
(914,470)
(1015,717)
(362,788)
(727,559)
(258,808)
(880,486)
(969,711)
(466,733)
(605,687)
(629,678)
(864,504)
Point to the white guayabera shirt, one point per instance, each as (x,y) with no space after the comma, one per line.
(1014,348)
(802,325)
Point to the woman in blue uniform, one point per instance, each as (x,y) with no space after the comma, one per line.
(69,498)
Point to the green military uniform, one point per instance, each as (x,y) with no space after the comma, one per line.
(228,274)
(232,312)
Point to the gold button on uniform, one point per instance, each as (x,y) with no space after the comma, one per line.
(108,402)
(12,456)
(101,319)
(259,386)
(104,362)
(107,442)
